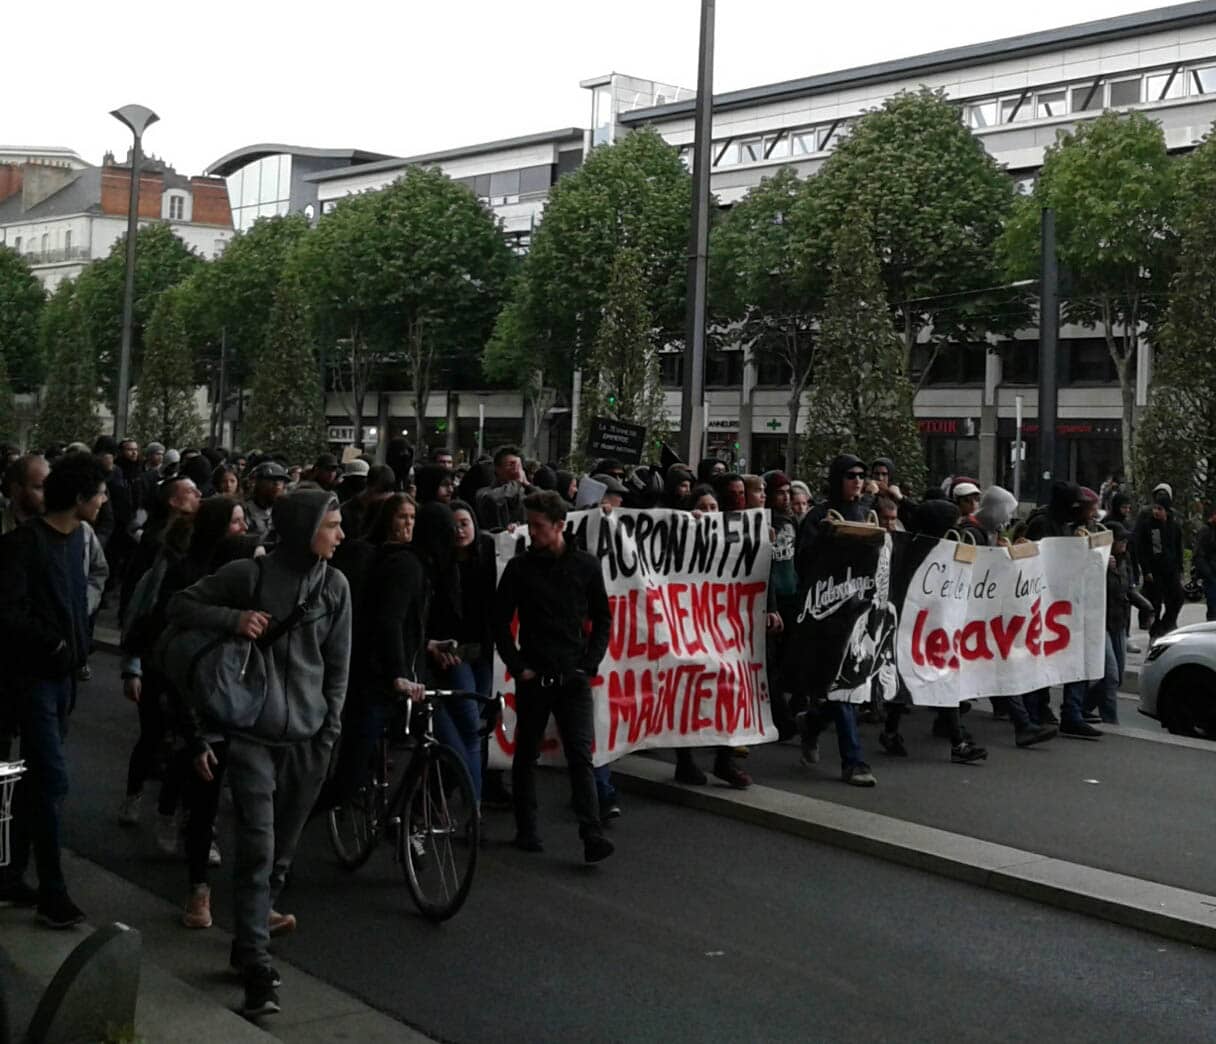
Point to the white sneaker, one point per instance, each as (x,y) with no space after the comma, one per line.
(128,811)
(213,857)
(1132,647)
(167,835)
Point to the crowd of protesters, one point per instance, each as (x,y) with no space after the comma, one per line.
(369,583)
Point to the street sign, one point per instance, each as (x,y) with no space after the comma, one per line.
(616,439)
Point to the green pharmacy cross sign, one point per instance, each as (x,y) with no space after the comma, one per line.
(773,425)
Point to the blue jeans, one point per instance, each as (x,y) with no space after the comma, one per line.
(38,801)
(458,722)
(1074,702)
(848,739)
(603,784)
(1104,695)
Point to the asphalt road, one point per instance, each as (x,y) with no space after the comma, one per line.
(699,929)
(1123,804)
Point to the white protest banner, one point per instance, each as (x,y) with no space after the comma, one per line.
(1009,621)
(686,654)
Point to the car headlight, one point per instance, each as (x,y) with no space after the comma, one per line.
(1161,644)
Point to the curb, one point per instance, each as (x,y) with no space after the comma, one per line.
(1174,913)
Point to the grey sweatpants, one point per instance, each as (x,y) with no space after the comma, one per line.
(273,792)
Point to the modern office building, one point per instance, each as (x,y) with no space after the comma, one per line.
(1015,94)
(59,212)
(269,180)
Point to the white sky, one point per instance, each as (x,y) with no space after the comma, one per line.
(410,76)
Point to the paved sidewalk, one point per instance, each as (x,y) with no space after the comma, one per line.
(185,992)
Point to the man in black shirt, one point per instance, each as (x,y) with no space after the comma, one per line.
(44,617)
(555,588)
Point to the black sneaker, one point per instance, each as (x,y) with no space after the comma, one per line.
(1091,716)
(261,992)
(597,847)
(18,893)
(238,968)
(496,797)
(58,911)
(1080,730)
(611,810)
(893,744)
(1047,716)
(967,753)
(1033,734)
(941,728)
(529,843)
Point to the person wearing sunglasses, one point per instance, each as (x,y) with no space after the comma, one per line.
(846,481)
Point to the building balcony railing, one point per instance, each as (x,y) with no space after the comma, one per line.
(52,257)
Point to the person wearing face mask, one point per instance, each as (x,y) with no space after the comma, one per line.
(846,479)
(275,785)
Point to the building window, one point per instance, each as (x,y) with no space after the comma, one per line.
(751,150)
(46,244)
(1163,86)
(1089,361)
(17,244)
(982,114)
(724,369)
(536,179)
(671,369)
(1012,109)
(1050,103)
(776,146)
(802,143)
(1086,98)
(177,208)
(67,243)
(1124,92)
(1204,80)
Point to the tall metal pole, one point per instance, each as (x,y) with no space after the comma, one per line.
(138,118)
(223,396)
(1049,336)
(1018,453)
(692,410)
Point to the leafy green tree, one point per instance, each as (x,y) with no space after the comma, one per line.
(768,280)
(287,403)
(635,194)
(936,201)
(161,261)
(412,275)
(1112,186)
(621,376)
(69,400)
(21,301)
(9,423)
(861,396)
(233,296)
(165,407)
(1176,437)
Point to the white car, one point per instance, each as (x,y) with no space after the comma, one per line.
(1178,680)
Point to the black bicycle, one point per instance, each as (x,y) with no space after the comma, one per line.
(428,808)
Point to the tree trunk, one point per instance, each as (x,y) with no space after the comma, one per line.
(1127,387)
(421,365)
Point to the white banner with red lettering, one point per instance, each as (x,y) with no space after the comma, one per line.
(686,664)
(993,621)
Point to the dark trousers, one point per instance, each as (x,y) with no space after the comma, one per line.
(1165,594)
(38,801)
(570,705)
(201,801)
(152,728)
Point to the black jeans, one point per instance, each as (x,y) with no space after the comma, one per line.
(570,705)
(201,801)
(152,729)
(1165,593)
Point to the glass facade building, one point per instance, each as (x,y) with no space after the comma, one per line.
(260,189)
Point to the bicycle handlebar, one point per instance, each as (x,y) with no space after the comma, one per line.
(433,696)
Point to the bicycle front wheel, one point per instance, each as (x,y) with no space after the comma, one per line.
(439,834)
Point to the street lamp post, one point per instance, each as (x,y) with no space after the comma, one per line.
(138,118)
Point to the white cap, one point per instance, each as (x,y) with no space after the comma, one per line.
(966,489)
(356,467)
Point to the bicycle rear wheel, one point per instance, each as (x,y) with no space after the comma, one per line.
(439,835)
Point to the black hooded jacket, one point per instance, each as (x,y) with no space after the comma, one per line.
(1058,519)
(850,511)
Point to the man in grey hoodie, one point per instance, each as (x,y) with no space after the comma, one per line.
(275,784)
